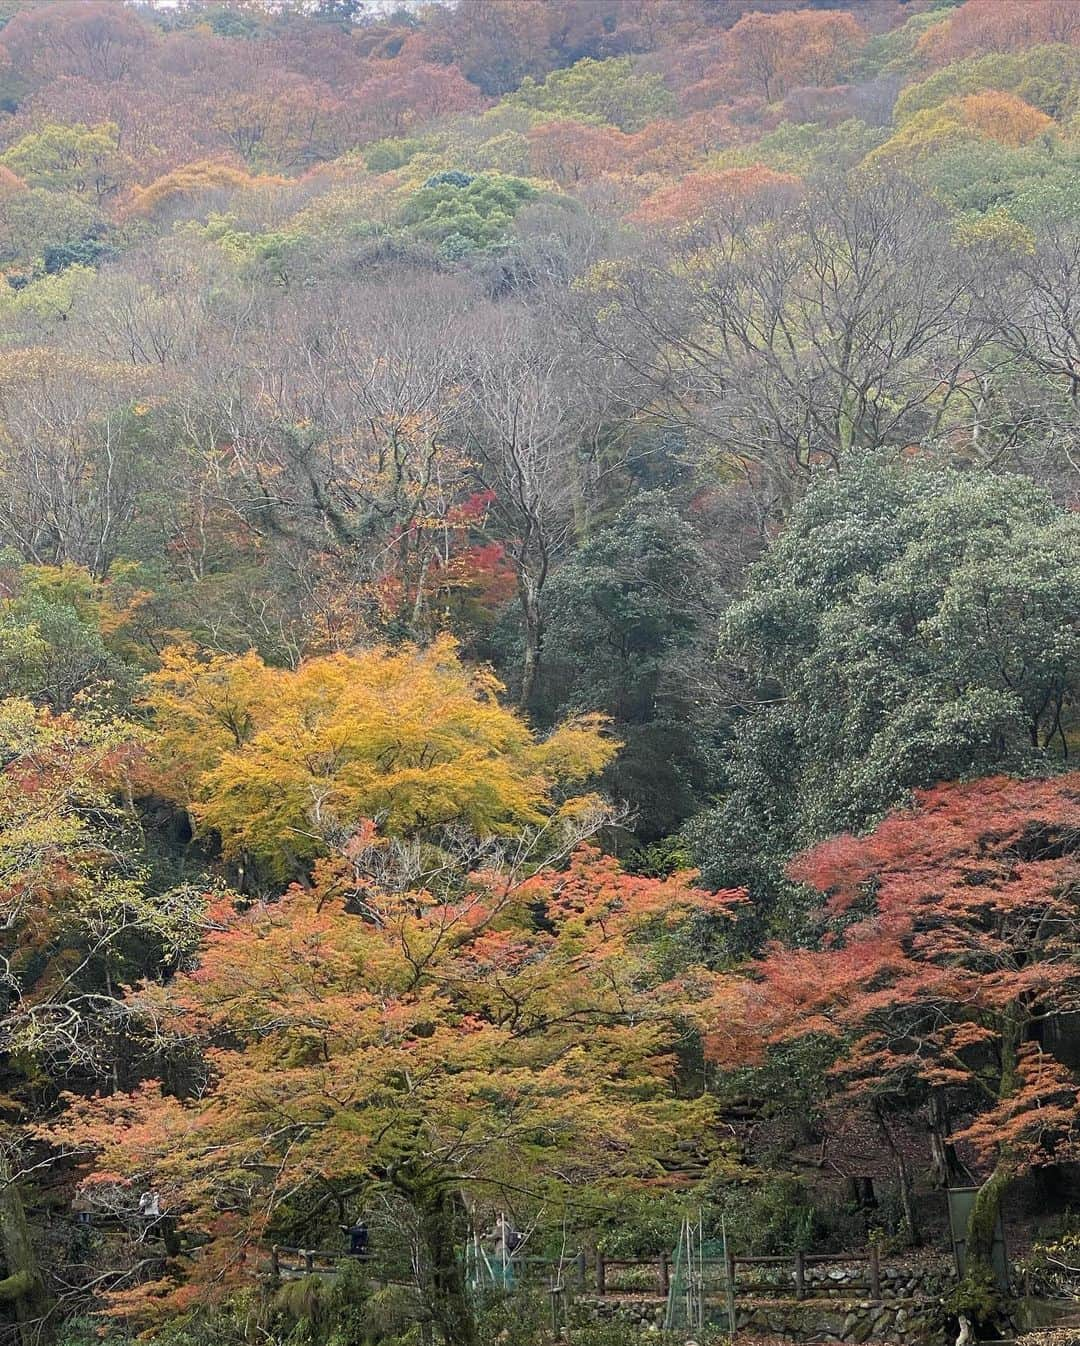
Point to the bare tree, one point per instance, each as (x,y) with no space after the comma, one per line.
(534,418)
(71,459)
(787,336)
(325,427)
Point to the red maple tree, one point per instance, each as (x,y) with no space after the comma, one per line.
(945,959)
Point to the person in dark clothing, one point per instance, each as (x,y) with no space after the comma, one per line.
(358,1239)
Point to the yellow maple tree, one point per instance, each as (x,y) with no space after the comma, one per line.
(282,763)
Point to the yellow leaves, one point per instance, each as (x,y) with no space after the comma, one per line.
(605,277)
(540,1053)
(990,115)
(46,364)
(204,705)
(282,763)
(996,229)
(575,750)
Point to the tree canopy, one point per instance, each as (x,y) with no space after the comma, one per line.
(909,625)
(538,652)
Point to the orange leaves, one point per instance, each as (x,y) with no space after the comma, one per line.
(144,1126)
(596,892)
(699,195)
(989,115)
(10,182)
(981,26)
(572,151)
(69,879)
(342,1035)
(395,98)
(1036,1123)
(772,53)
(1004,117)
(192,181)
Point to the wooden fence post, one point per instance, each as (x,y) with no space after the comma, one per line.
(665,1276)
(581,1271)
(729,1289)
(275,1262)
(800,1275)
(309,1261)
(556,1293)
(875,1273)
(601,1275)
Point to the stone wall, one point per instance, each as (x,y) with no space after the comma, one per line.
(848,1280)
(647,1312)
(897,1281)
(904,1322)
(907,1322)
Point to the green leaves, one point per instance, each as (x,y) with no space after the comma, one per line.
(909,625)
(606,91)
(480,208)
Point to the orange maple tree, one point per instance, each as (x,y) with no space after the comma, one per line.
(700,195)
(572,151)
(772,53)
(981,26)
(511,1039)
(1004,117)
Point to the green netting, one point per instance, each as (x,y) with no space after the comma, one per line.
(485,1271)
(698,1291)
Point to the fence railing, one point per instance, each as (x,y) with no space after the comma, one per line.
(604,1276)
(304,1261)
(286,1263)
(802,1280)
(799,1278)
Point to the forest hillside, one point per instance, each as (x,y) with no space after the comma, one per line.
(539,659)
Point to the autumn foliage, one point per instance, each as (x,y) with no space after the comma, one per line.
(192,181)
(281,763)
(701,195)
(444,449)
(774,53)
(945,951)
(515,1033)
(980,26)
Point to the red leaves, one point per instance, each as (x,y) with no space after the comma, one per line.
(595,890)
(950,934)
(1037,1122)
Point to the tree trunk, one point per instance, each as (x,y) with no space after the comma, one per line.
(23,1287)
(440,1213)
(529,592)
(945,1164)
(982,1222)
(903,1179)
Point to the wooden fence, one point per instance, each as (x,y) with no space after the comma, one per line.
(800,1281)
(648,1276)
